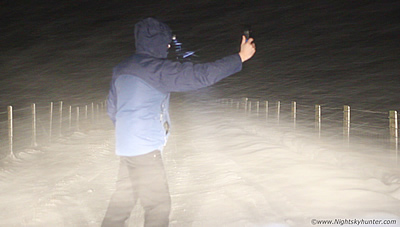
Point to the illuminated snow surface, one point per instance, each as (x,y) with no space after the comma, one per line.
(224,169)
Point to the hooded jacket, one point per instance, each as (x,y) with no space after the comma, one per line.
(138,100)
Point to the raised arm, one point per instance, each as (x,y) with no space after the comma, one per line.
(178,77)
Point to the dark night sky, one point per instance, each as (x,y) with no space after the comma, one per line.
(349,48)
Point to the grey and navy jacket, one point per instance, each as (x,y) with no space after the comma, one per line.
(138,99)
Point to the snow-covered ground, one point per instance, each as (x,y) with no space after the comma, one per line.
(225,168)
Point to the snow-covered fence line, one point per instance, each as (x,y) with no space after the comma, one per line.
(375,127)
(38,125)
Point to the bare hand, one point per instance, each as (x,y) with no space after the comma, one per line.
(247,49)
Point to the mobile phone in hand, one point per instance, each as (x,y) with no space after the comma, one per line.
(247,34)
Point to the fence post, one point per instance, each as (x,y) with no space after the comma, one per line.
(97,112)
(10,131)
(393,127)
(346,122)
(34,143)
(294,113)
(92,113)
(318,119)
(278,110)
(249,107)
(61,117)
(393,124)
(258,108)
(266,110)
(86,112)
(70,118)
(51,121)
(77,118)
(86,116)
(245,104)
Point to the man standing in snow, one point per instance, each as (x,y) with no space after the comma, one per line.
(138,105)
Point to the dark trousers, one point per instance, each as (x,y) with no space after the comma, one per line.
(140,177)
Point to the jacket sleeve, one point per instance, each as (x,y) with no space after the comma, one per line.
(178,77)
(112,103)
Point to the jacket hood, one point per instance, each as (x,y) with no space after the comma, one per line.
(152,37)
